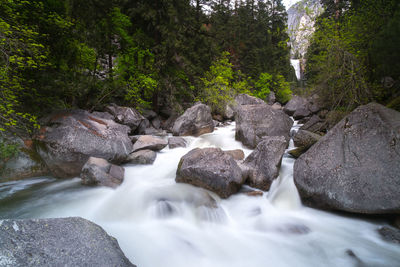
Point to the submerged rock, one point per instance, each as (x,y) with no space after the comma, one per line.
(196,121)
(142,157)
(68,138)
(149,142)
(58,242)
(389,234)
(212,169)
(264,162)
(98,171)
(253,122)
(355,166)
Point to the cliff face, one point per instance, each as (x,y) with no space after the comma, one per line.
(301,25)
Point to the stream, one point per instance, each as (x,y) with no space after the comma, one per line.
(158,222)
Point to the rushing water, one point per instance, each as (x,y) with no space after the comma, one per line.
(160,223)
(296,65)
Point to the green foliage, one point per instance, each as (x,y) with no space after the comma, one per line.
(8,151)
(282,91)
(219,85)
(263,85)
(275,83)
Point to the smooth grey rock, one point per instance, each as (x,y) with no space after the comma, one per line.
(264,162)
(253,122)
(237,154)
(149,114)
(244,99)
(294,104)
(58,242)
(156,122)
(305,139)
(103,115)
(142,157)
(277,106)
(149,142)
(196,121)
(355,166)
(98,171)
(229,113)
(314,125)
(212,169)
(68,138)
(126,116)
(174,142)
(301,112)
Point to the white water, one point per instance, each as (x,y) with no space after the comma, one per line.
(296,65)
(160,223)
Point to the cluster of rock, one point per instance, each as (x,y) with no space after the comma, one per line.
(258,126)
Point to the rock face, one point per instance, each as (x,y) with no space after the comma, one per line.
(196,121)
(69,138)
(253,122)
(142,157)
(127,116)
(237,154)
(149,142)
(211,169)
(264,162)
(58,242)
(174,142)
(98,171)
(314,125)
(355,166)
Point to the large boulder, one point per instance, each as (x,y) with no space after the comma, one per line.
(355,166)
(212,169)
(253,122)
(271,98)
(149,142)
(315,125)
(142,157)
(58,242)
(68,138)
(98,171)
(127,116)
(264,162)
(294,104)
(196,121)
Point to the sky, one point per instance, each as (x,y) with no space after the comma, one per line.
(289,3)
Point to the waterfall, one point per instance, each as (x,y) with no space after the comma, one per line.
(296,65)
(158,222)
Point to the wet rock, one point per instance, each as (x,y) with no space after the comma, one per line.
(237,154)
(305,139)
(253,122)
(126,116)
(145,156)
(58,242)
(68,138)
(218,118)
(244,99)
(196,121)
(297,229)
(98,171)
(297,103)
(217,123)
(212,169)
(149,142)
(264,162)
(356,259)
(174,142)
(297,152)
(355,166)
(254,193)
(389,234)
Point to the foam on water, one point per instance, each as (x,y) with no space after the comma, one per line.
(158,222)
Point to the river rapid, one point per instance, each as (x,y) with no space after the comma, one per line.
(158,222)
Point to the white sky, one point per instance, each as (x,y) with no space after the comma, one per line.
(289,3)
